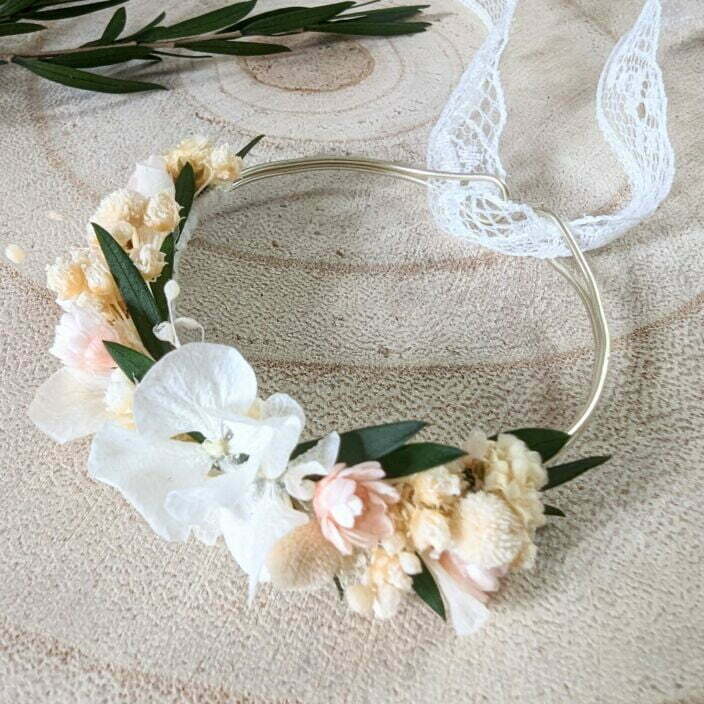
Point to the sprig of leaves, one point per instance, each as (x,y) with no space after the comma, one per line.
(218,32)
(138,298)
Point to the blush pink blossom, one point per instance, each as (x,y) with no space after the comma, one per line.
(79,340)
(351,504)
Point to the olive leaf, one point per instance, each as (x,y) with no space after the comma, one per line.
(157,287)
(293,19)
(370,29)
(133,363)
(184,193)
(369,443)
(553,511)
(427,589)
(202,24)
(64,13)
(242,153)
(114,27)
(417,457)
(102,57)
(140,303)
(562,473)
(233,47)
(217,32)
(545,441)
(9,28)
(83,80)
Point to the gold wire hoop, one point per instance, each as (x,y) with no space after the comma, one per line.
(586,288)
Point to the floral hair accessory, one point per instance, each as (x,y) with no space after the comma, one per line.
(182,431)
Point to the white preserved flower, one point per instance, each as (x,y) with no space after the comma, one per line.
(122,206)
(162,212)
(119,397)
(150,261)
(488,533)
(385,581)
(180,487)
(196,151)
(65,278)
(506,466)
(410,562)
(226,165)
(430,530)
(434,486)
(360,599)
(99,279)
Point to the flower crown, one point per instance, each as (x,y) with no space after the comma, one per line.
(180,430)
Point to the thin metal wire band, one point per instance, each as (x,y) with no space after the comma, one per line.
(586,289)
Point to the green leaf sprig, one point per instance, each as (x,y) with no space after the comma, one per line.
(218,32)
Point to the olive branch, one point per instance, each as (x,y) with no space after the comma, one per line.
(227,30)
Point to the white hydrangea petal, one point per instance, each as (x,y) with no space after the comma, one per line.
(281,406)
(199,506)
(285,435)
(252,528)
(297,485)
(467,613)
(324,452)
(150,177)
(145,470)
(189,388)
(248,437)
(70,405)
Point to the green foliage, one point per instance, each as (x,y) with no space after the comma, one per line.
(134,364)
(426,588)
(83,80)
(370,443)
(416,457)
(217,32)
(140,303)
(562,473)
(242,153)
(545,441)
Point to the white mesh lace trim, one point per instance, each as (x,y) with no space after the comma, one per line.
(631,108)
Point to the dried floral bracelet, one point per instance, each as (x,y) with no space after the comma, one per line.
(181,432)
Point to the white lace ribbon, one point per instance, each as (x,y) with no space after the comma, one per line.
(631,108)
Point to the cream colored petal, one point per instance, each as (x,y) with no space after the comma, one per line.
(190,388)
(151,177)
(145,470)
(69,405)
(467,614)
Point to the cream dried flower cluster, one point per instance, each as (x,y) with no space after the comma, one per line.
(180,429)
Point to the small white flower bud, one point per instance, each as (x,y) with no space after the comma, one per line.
(171,290)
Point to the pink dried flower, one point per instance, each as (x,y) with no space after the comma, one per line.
(79,340)
(351,504)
